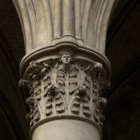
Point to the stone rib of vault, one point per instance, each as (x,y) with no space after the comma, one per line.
(47,22)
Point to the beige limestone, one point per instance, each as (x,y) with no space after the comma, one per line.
(47,22)
(56,89)
(67,129)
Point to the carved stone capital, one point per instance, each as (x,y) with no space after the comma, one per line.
(65,87)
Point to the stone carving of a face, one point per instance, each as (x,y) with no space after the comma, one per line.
(66,58)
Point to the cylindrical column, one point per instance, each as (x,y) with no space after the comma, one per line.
(66,129)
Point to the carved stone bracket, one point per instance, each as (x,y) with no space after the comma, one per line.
(65,87)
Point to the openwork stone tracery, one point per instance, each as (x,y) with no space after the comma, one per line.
(65,87)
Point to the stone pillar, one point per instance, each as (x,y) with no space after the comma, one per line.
(65,69)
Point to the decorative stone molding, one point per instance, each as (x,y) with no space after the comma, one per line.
(49,22)
(65,87)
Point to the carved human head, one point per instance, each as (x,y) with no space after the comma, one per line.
(65,57)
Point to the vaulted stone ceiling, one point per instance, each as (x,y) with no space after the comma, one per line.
(123,44)
(122,49)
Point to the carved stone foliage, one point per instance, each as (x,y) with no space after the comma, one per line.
(64,87)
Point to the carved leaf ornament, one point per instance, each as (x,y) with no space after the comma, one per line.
(64,88)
